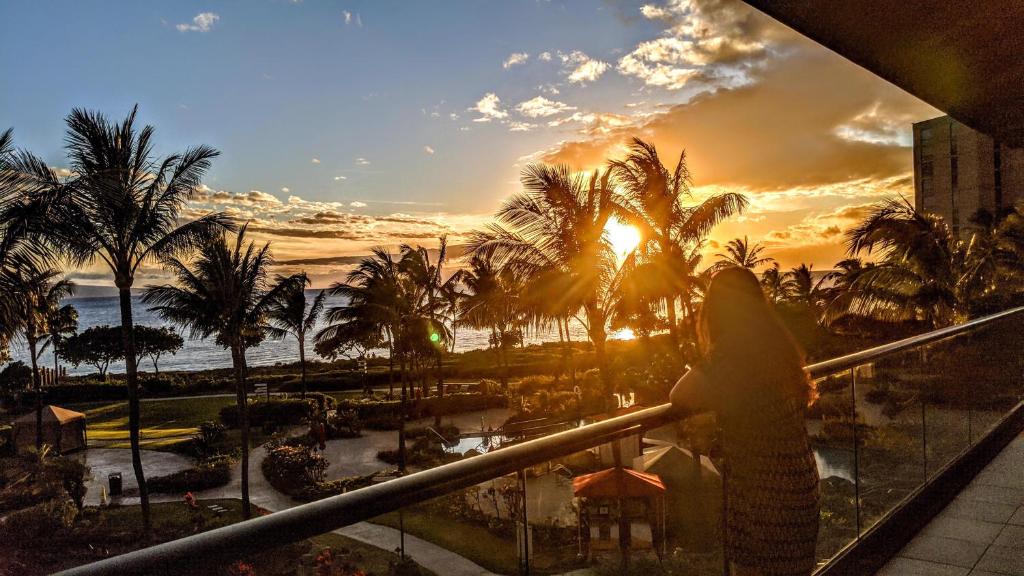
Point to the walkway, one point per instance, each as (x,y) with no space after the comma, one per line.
(980,533)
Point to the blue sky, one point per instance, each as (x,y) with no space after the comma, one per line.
(381,122)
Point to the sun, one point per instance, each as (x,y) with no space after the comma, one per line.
(624,238)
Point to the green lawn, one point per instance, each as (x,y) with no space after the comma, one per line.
(164,423)
(468,540)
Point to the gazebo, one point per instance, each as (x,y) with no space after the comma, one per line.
(614,499)
(63,429)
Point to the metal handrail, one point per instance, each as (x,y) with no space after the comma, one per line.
(315,518)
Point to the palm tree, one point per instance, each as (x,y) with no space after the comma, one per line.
(289,313)
(224,293)
(920,271)
(553,233)
(669,228)
(435,296)
(60,324)
(494,300)
(740,252)
(772,283)
(121,207)
(385,296)
(800,287)
(373,298)
(34,297)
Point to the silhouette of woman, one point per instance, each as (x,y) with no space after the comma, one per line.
(752,377)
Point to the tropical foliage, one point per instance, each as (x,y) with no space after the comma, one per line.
(225,294)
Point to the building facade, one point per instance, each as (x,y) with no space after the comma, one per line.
(959,171)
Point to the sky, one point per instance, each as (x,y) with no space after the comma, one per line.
(344,125)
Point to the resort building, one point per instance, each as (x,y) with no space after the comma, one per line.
(959,171)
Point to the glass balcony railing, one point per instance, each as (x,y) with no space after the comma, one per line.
(642,492)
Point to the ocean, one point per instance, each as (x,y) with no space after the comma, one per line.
(204,354)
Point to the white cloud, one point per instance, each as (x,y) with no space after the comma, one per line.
(202,22)
(340,178)
(545,56)
(489,108)
(542,107)
(315,160)
(514,59)
(357,204)
(428,150)
(515,126)
(285,190)
(362,162)
(453,116)
(352,18)
(588,71)
(582,68)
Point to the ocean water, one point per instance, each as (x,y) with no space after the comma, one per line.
(205,353)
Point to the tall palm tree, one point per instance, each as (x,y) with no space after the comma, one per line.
(34,297)
(388,297)
(291,313)
(554,234)
(435,295)
(740,252)
(122,206)
(920,269)
(494,301)
(669,227)
(224,293)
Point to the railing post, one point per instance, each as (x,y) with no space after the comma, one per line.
(856,449)
(525,550)
(924,418)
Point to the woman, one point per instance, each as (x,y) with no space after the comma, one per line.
(752,376)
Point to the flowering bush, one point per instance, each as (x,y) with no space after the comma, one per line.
(290,468)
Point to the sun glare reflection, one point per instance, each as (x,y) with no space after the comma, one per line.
(624,238)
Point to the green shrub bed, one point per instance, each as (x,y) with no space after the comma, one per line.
(209,473)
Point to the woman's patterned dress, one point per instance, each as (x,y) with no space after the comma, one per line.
(772,494)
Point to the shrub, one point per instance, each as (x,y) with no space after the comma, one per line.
(34,522)
(324,489)
(292,468)
(210,473)
(532,384)
(276,411)
(343,424)
(385,414)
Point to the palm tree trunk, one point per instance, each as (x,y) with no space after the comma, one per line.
(56,361)
(302,363)
(238,361)
(391,370)
(440,389)
(401,414)
(673,322)
(572,360)
(37,385)
(131,375)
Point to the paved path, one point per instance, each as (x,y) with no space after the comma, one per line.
(980,533)
(438,560)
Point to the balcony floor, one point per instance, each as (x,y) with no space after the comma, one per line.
(980,533)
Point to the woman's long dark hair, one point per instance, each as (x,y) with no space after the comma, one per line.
(740,333)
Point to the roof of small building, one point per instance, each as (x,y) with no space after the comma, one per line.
(618,483)
(53,413)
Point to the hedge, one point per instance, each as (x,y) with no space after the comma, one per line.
(211,473)
(276,411)
(385,414)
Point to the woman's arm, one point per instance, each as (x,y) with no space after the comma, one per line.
(690,394)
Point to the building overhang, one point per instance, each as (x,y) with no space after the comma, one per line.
(965,58)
